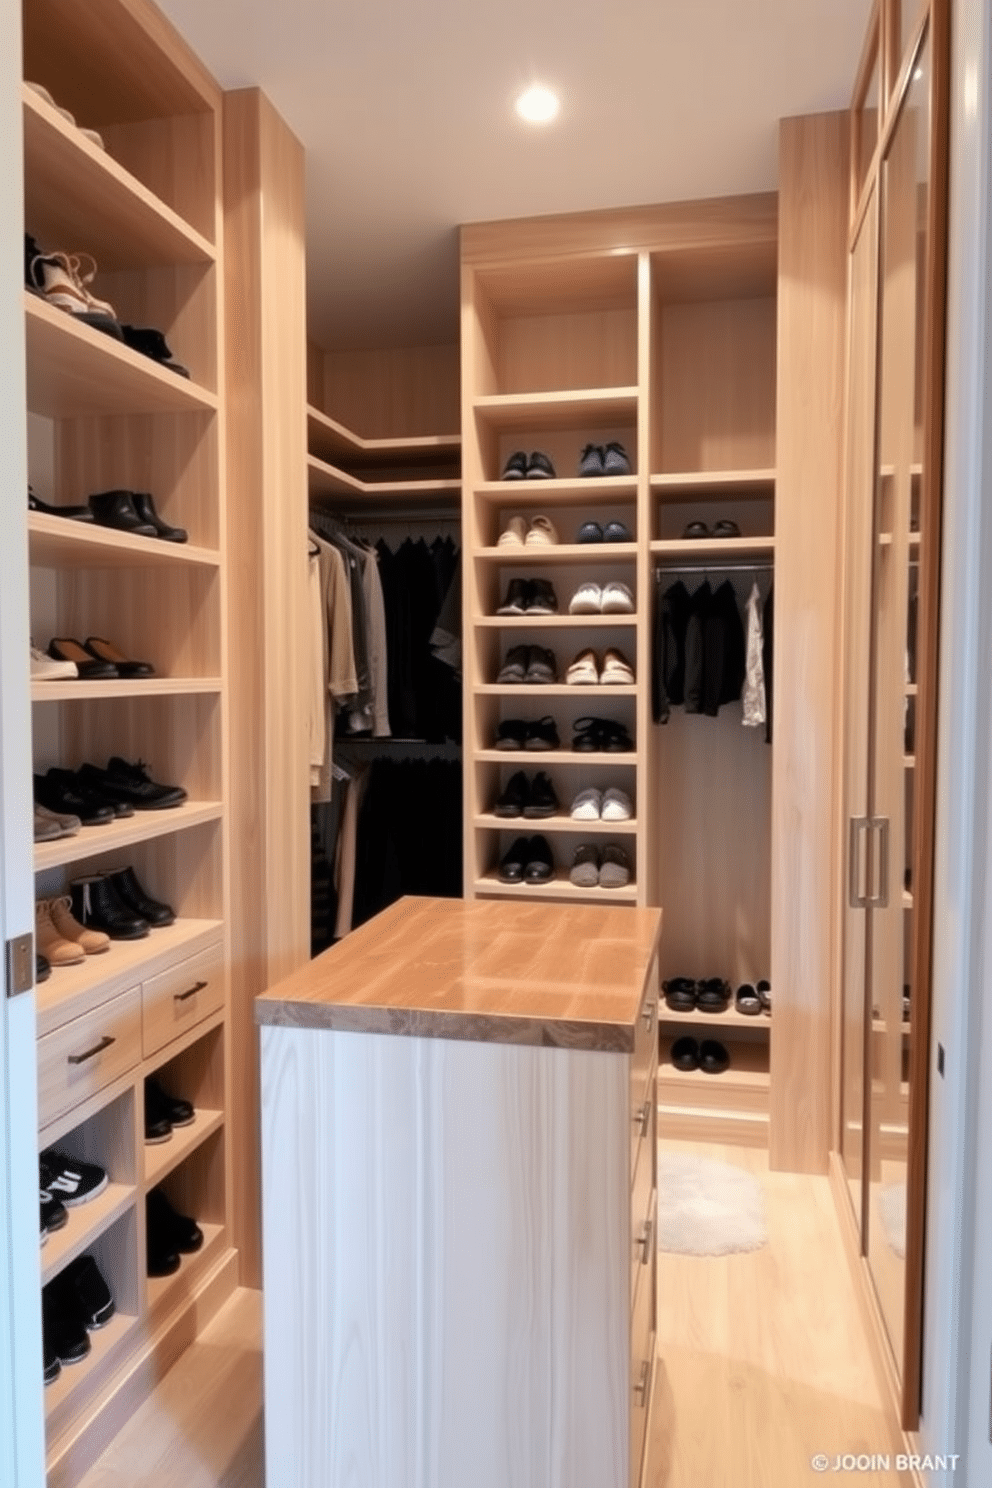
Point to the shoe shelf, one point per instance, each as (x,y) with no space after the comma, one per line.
(564,410)
(758,1022)
(490,886)
(747,1076)
(86,1223)
(162,1291)
(539,758)
(75,371)
(325,481)
(141,827)
(576,690)
(105,1343)
(75,691)
(556,823)
(161,1158)
(697,485)
(554,622)
(56,542)
(330,440)
(556,553)
(70,991)
(561,491)
(68,180)
(717,548)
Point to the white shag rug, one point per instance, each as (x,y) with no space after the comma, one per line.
(892,1209)
(708,1208)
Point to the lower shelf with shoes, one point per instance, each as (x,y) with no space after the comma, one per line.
(713,1079)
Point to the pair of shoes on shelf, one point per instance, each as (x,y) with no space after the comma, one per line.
(719,529)
(133,512)
(59,936)
(76,1303)
(534,665)
(117,904)
(69,1180)
(529,860)
(522,797)
(609,532)
(519,733)
(708,1055)
(163,1112)
(521,466)
(169,1235)
(616,670)
(96,796)
(612,804)
(529,597)
(49,826)
(600,735)
(608,867)
(685,995)
(614,598)
(92,660)
(90,134)
(604,459)
(73,513)
(538,532)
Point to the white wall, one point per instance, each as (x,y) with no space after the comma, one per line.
(21,1416)
(958,1314)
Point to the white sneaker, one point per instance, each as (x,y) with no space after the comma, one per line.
(513,533)
(587,600)
(47,669)
(617,805)
(587,804)
(617,599)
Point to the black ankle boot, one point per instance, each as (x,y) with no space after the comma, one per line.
(134,898)
(95,904)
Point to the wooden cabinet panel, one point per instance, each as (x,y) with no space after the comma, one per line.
(175,1000)
(83,1056)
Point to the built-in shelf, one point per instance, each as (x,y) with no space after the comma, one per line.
(759,1022)
(162,1157)
(327,481)
(599,490)
(748,1072)
(548,758)
(696,485)
(102,1343)
(76,371)
(86,1223)
(113,836)
(330,440)
(489,886)
(160,1288)
(588,408)
(55,542)
(71,690)
(68,180)
(553,622)
(523,690)
(713,549)
(556,553)
(556,823)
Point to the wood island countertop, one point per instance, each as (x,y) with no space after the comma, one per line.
(492,971)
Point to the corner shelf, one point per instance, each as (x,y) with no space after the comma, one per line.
(561,410)
(327,440)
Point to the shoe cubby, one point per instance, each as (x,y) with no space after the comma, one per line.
(566,573)
(568,779)
(106,1136)
(731,1107)
(194,1188)
(713,329)
(492,842)
(193,1071)
(568,503)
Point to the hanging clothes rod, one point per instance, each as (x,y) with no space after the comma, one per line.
(703,566)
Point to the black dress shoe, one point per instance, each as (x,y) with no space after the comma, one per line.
(514,798)
(130,892)
(540,864)
(132,783)
(95,904)
(145,507)
(543,801)
(89,667)
(74,513)
(542,733)
(116,509)
(158,1103)
(91,781)
(62,792)
(511,868)
(107,652)
(170,1234)
(152,343)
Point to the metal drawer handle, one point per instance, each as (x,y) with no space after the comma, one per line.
(648,1013)
(643,1117)
(641,1388)
(645,1242)
(190,992)
(104,1043)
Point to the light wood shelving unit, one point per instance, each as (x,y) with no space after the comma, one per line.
(658,331)
(103,416)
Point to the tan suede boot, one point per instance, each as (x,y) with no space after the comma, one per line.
(92,941)
(53,946)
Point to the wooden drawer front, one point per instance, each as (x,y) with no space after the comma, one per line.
(77,1060)
(645,1046)
(178,998)
(642,1344)
(643,1238)
(643,1112)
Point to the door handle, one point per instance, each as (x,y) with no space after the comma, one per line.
(880,875)
(857,897)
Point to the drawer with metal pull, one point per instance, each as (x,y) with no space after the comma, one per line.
(642,1232)
(180,997)
(87,1053)
(642,1347)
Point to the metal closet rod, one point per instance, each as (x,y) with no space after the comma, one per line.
(701,566)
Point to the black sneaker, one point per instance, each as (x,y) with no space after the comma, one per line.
(86,1287)
(591,461)
(170,1234)
(70,1180)
(542,599)
(615,459)
(539,467)
(129,891)
(133,783)
(518,595)
(54,1215)
(516,466)
(513,800)
(164,1110)
(543,800)
(63,1329)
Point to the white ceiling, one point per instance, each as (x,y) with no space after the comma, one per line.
(405,108)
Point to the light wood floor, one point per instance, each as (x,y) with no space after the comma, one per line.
(763,1358)
(763,1362)
(202,1428)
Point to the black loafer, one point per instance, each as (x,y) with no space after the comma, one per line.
(540,865)
(685,1054)
(713,1057)
(617,532)
(514,798)
(589,532)
(511,733)
(696,529)
(542,801)
(680,994)
(511,868)
(542,734)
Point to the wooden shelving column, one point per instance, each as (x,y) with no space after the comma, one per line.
(102,416)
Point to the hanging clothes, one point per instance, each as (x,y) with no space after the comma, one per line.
(753,696)
(333,671)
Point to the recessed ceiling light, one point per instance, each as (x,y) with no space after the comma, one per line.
(538,105)
(917,74)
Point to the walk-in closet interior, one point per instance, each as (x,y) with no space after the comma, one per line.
(628,597)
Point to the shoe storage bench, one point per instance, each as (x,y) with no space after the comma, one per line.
(472,1084)
(102,416)
(660,330)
